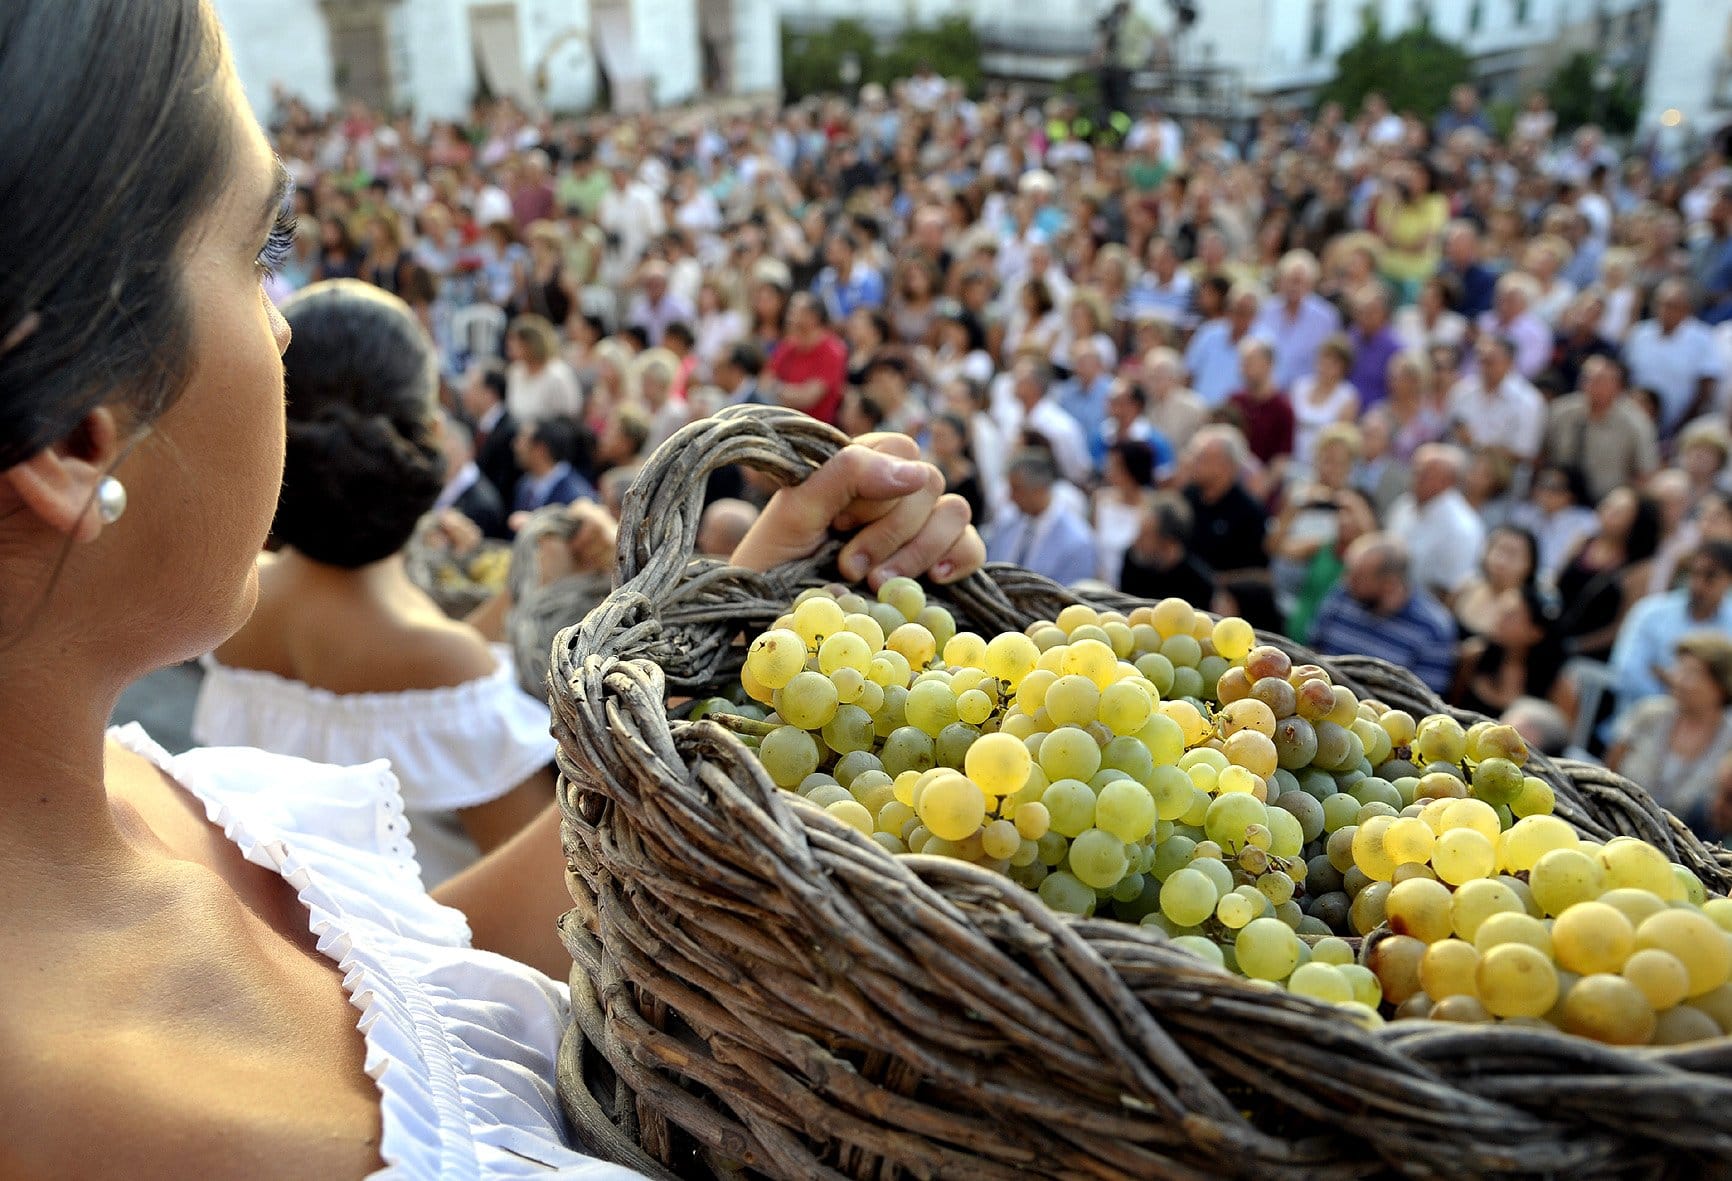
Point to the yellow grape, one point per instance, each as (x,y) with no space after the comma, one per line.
(1092,659)
(1608,1009)
(1421,908)
(952,807)
(776,657)
(1233,638)
(816,619)
(1254,751)
(851,812)
(866,628)
(1010,656)
(1032,820)
(1475,814)
(913,643)
(1478,899)
(1592,937)
(1515,980)
(1000,839)
(1191,723)
(1447,969)
(1369,853)
(1562,878)
(1463,855)
(1629,862)
(998,763)
(1125,707)
(1695,940)
(1509,926)
(1531,838)
(1076,615)
(973,706)
(1409,840)
(1661,976)
(894,816)
(1031,694)
(1171,617)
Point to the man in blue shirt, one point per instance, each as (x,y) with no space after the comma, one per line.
(1648,638)
(1084,396)
(1376,611)
(1461,262)
(847,283)
(1213,354)
(1036,531)
(1296,320)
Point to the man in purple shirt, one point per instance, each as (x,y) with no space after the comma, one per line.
(1374,343)
(1296,320)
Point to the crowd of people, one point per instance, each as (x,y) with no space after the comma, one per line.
(1421,390)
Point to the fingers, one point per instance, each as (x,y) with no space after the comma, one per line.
(867,555)
(945,529)
(963,558)
(856,473)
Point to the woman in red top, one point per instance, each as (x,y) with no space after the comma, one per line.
(1264,413)
(810,366)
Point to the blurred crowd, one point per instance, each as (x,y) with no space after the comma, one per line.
(1385,385)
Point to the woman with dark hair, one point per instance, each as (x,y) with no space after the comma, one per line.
(1509,563)
(286,997)
(1519,656)
(344,659)
(339,257)
(951,453)
(1120,502)
(1607,573)
(1251,599)
(1558,515)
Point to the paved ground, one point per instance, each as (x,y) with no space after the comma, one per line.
(162,703)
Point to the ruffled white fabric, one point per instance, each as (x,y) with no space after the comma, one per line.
(450,748)
(461,1043)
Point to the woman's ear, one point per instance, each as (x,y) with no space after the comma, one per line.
(58,484)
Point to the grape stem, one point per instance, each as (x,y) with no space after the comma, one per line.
(740,725)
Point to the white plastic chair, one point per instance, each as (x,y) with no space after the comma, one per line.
(1593,679)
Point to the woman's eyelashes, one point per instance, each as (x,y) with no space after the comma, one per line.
(280,245)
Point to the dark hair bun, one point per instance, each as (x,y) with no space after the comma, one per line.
(363,464)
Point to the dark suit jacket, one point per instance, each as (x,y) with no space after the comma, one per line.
(482,504)
(495,457)
(568,488)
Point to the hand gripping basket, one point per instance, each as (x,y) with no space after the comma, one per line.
(760,991)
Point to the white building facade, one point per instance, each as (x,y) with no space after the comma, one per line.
(434,57)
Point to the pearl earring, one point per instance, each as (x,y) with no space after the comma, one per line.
(110,500)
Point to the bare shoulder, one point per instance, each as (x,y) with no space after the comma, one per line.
(436,653)
(163,1113)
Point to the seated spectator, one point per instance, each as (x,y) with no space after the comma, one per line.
(1175,411)
(1651,631)
(1119,503)
(1228,522)
(1517,657)
(1413,416)
(723,526)
(860,415)
(1558,516)
(889,383)
(1261,409)
(810,366)
(736,372)
(1600,432)
(466,490)
(949,449)
(1512,319)
(1322,399)
(545,451)
(651,382)
(1607,573)
(847,282)
(1354,519)
(1373,343)
(1430,320)
(655,306)
(1510,565)
(1673,744)
(1033,405)
(1306,521)
(538,384)
(1489,488)
(867,334)
(1703,446)
(1578,342)
(1379,473)
(1159,563)
(1083,395)
(1212,357)
(1540,723)
(1497,408)
(495,433)
(1675,355)
(1378,611)
(1038,533)
(1436,523)
(1296,320)
(344,660)
(1127,421)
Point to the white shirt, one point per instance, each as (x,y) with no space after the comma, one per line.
(1672,364)
(1310,416)
(1443,539)
(1070,447)
(449,748)
(532,397)
(1512,416)
(457,485)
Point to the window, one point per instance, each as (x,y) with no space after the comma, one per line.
(1475,16)
(1319,33)
(1419,14)
(1521,12)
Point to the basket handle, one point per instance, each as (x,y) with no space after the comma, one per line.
(658,528)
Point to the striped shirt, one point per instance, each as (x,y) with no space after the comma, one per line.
(1419,637)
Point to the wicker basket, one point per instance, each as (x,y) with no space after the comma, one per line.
(761,991)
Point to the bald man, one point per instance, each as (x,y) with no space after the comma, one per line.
(1376,610)
(724,526)
(1439,527)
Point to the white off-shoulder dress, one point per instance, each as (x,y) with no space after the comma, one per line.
(461,1042)
(450,748)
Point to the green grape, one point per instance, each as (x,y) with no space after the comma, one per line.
(829,793)
(939,623)
(1217,871)
(1440,739)
(1211,669)
(999,839)
(1158,669)
(1069,753)
(904,594)
(1234,910)
(886,617)
(1188,896)
(1199,809)
(1172,792)
(1187,683)
(1661,976)
(1071,805)
(1373,740)
(1229,817)
(973,706)
(1130,888)
(1098,859)
(851,686)
(1420,907)
(1340,847)
(1320,982)
(953,742)
(1125,809)
(867,628)
(907,749)
(1332,951)
(815,779)
(776,657)
(1052,849)
(1073,701)
(1276,886)
(931,706)
(1305,809)
(1636,865)
(844,650)
(1340,811)
(895,816)
(1171,855)
(1363,981)
(1184,651)
(789,754)
(1564,877)
(1477,900)
(849,731)
(1536,798)
(1202,947)
(1125,707)
(1608,1009)
(1267,949)
(1497,781)
(856,763)
(1064,892)
(853,814)
(1684,1024)
(1369,908)
(1032,820)
(1288,838)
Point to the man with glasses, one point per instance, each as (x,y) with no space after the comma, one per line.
(1651,631)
